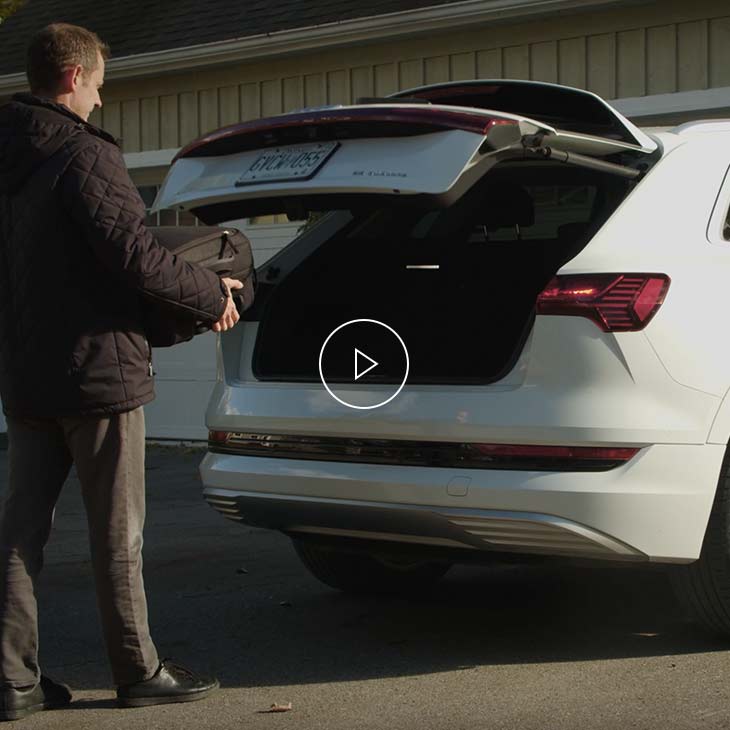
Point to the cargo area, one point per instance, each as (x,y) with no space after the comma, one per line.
(459,284)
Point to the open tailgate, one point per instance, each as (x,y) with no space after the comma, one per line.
(400,147)
(398,150)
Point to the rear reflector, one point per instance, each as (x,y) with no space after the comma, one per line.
(446,454)
(615,302)
(218,437)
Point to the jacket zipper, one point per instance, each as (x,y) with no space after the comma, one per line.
(149,358)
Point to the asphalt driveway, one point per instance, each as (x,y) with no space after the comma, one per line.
(508,647)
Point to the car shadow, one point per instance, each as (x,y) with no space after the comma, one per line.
(475,617)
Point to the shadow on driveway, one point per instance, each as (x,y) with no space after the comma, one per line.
(236,601)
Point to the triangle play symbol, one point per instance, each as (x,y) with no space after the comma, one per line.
(359,373)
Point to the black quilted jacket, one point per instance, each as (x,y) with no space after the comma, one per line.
(75,261)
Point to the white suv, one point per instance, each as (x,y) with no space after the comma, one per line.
(558,279)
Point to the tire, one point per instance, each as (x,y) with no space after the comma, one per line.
(703,587)
(355,572)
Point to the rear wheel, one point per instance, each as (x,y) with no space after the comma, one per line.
(703,587)
(356,572)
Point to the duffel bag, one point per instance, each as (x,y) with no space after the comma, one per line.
(225,251)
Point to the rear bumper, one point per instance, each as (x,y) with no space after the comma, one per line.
(654,508)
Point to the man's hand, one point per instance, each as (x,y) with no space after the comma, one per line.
(230,316)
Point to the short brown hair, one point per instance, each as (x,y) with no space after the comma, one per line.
(57,47)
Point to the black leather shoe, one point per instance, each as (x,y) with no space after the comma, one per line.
(46,695)
(171,683)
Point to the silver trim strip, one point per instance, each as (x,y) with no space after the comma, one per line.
(422,524)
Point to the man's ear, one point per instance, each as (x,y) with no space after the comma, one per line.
(71,79)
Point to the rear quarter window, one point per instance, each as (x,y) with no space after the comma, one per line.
(555,206)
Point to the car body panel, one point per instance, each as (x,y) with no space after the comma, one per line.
(657,505)
(429,164)
(551,399)
(664,390)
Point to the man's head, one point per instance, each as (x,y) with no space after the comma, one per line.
(66,63)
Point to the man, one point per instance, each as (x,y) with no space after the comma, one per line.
(75,366)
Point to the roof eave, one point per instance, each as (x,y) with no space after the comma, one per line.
(329,35)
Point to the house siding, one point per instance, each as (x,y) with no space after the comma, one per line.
(639,51)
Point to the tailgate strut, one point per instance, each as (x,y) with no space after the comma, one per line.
(573,158)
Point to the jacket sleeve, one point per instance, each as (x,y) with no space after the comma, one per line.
(100,196)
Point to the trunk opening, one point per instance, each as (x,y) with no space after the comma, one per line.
(458,284)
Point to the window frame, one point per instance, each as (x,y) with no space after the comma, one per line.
(720,217)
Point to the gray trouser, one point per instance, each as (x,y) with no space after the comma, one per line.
(109,457)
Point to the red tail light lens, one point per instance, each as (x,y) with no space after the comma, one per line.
(567,453)
(615,302)
(218,437)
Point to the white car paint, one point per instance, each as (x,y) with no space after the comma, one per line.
(665,389)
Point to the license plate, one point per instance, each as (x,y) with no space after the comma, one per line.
(294,162)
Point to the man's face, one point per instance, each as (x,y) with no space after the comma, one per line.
(86,88)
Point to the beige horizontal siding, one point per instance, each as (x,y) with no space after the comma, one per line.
(627,52)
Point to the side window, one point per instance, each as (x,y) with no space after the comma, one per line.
(556,207)
(726,229)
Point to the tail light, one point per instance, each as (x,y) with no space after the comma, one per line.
(450,454)
(615,302)
(218,438)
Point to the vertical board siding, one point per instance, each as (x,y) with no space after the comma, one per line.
(293,92)
(168,122)
(361,82)
(111,115)
(130,126)
(338,91)
(228,105)
(463,66)
(150,134)
(189,129)
(385,79)
(250,101)
(410,73)
(97,119)
(544,62)
(661,59)
(516,62)
(271,98)
(572,62)
(208,107)
(720,52)
(631,63)
(436,69)
(601,54)
(489,64)
(314,91)
(692,57)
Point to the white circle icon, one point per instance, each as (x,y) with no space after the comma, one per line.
(363,364)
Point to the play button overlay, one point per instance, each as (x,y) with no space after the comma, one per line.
(363,364)
(359,372)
